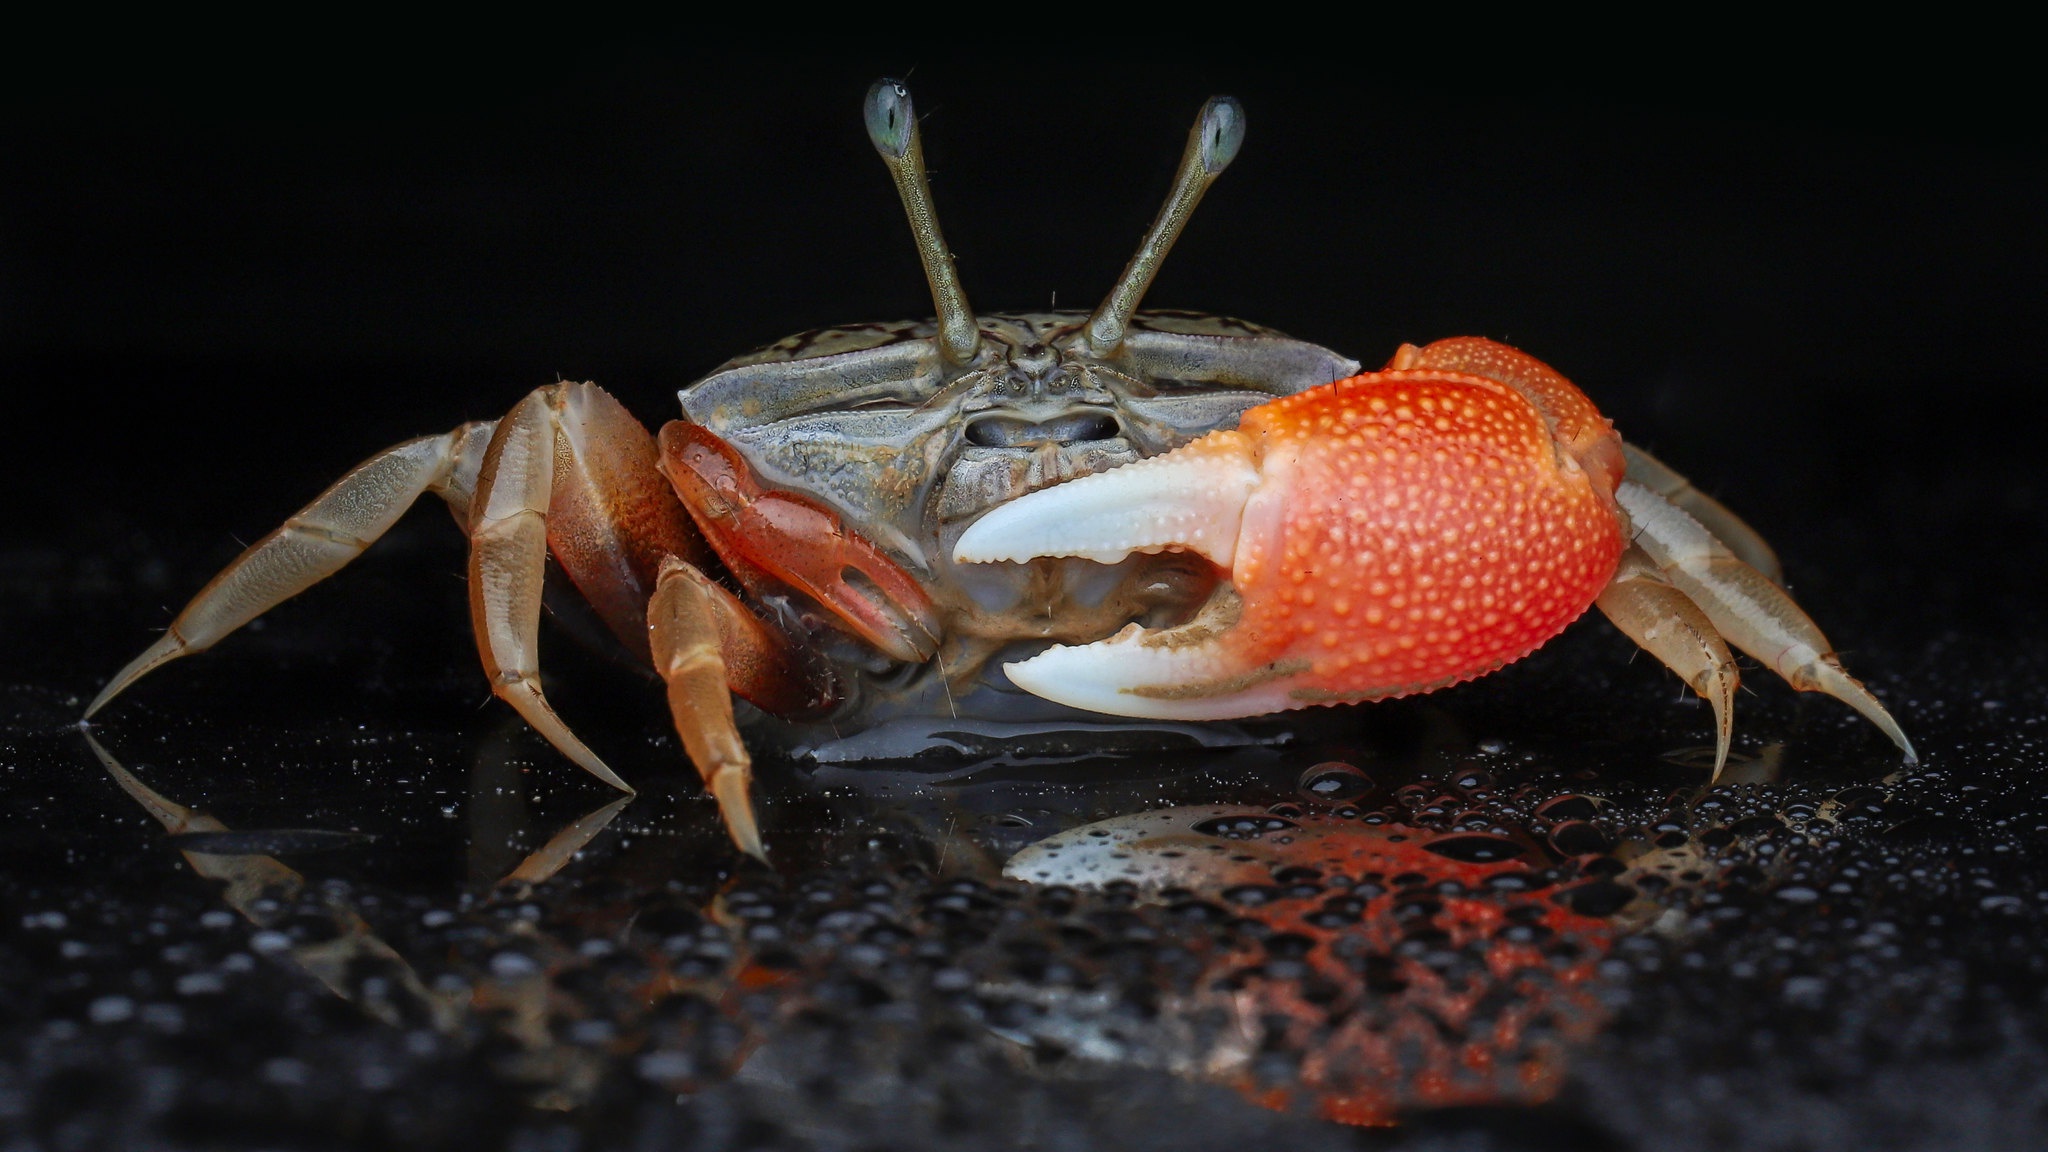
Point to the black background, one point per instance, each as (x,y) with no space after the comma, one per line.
(222,281)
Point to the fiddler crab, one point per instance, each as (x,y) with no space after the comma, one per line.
(1168,515)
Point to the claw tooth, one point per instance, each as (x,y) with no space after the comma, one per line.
(1190,498)
(1125,676)
(1199,670)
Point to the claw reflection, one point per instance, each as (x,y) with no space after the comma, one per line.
(1369,968)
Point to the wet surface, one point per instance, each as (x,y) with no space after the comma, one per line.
(1510,916)
(316,890)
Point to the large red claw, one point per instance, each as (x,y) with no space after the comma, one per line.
(1387,534)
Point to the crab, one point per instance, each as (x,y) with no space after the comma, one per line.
(1170,515)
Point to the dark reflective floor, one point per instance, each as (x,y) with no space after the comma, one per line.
(316,890)
(1516,919)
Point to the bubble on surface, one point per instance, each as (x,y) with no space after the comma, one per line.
(1579,838)
(1333,782)
(1569,807)
(110,1009)
(1477,848)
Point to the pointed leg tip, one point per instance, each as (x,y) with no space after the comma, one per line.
(1891,729)
(604,772)
(114,688)
(589,762)
(1724,734)
(168,647)
(737,812)
(745,836)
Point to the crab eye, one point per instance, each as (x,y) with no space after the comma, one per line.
(890,117)
(1222,132)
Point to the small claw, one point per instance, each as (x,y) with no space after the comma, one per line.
(1387,534)
(769,537)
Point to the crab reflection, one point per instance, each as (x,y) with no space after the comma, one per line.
(1367,968)
(1359,946)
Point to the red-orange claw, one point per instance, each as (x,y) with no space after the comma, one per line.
(1405,530)
(772,539)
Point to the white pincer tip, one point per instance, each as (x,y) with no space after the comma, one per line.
(1191,498)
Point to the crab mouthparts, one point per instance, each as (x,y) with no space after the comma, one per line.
(1196,499)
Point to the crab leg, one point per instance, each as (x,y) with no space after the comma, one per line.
(316,542)
(1668,625)
(1713,515)
(1750,610)
(686,622)
(571,471)
(612,519)
(508,551)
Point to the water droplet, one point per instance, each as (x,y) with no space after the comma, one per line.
(1569,807)
(201,984)
(267,941)
(1473,779)
(1514,882)
(1476,848)
(1246,827)
(1596,897)
(1334,780)
(110,1009)
(513,965)
(1805,991)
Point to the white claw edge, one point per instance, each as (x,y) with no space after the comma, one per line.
(1191,498)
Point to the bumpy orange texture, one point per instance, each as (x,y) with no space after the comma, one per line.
(1424,526)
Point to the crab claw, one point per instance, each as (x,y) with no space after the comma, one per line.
(772,539)
(1387,534)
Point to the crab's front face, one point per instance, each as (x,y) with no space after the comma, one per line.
(910,447)
(874,421)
